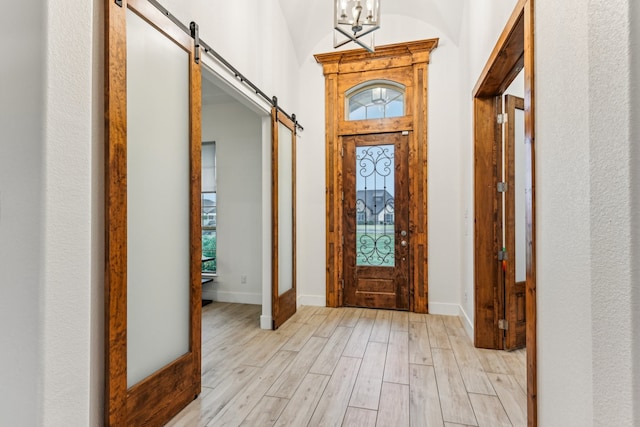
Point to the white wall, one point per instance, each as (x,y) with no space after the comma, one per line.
(483,23)
(252,35)
(238,135)
(586,261)
(443,157)
(563,235)
(50,244)
(635,198)
(73,251)
(21,216)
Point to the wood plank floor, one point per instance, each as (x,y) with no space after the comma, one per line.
(351,367)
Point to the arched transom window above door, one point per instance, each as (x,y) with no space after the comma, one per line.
(378,99)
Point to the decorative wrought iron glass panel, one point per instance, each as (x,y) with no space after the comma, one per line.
(377,101)
(375,220)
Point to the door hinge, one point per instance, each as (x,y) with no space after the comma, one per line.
(405,132)
(342,240)
(503,255)
(342,195)
(502,118)
(503,324)
(342,151)
(503,187)
(342,283)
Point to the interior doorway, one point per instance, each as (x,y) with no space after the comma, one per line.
(513,52)
(232,198)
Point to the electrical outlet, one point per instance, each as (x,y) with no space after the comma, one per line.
(243,279)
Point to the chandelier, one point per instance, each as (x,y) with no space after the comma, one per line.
(354,19)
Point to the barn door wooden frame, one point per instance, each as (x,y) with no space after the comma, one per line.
(513,52)
(155,399)
(407,64)
(283,217)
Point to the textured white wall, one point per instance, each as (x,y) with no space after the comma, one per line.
(444,166)
(584,188)
(21,216)
(238,135)
(69,248)
(612,262)
(635,199)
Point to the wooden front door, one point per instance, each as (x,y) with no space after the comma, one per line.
(349,75)
(376,221)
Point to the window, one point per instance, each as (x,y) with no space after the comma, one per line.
(208,207)
(375,100)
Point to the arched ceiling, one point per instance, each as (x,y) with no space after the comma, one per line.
(310,21)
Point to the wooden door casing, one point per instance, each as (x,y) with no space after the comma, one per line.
(406,64)
(377,286)
(514,291)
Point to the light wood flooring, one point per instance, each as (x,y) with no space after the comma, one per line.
(351,367)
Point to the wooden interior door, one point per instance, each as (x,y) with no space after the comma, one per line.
(488,240)
(152,216)
(283,281)
(515,230)
(376,221)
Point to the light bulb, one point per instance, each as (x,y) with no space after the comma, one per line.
(343,9)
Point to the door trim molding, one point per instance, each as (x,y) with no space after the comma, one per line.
(406,63)
(513,51)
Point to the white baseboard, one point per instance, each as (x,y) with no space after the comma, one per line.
(444,309)
(236,297)
(266,322)
(466,322)
(315,300)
